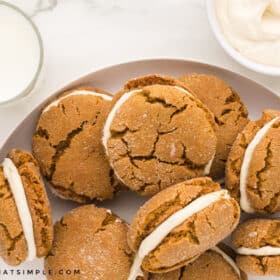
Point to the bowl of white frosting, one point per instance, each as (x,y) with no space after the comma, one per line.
(249,31)
(21,53)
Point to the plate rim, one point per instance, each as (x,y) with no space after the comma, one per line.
(70,84)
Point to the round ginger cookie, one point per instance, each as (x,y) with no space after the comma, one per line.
(158,134)
(230,113)
(253,167)
(214,264)
(67,145)
(91,241)
(25,214)
(179,223)
(258,245)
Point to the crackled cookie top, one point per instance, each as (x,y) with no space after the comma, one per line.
(258,245)
(214,264)
(158,134)
(229,111)
(67,144)
(253,168)
(93,241)
(25,215)
(179,223)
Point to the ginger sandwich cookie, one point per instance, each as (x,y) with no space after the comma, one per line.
(230,113)
(257,244)
(216,263)
(179,224)
(253,167)
(91,241)
(25,215)
(67,144)
(158,134)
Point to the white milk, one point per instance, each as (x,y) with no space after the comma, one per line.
(19,53)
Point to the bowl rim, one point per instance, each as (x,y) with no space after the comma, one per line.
(32,83)
(229,49)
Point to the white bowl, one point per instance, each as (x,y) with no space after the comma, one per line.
(258,67)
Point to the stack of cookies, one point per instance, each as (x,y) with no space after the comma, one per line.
(173,140)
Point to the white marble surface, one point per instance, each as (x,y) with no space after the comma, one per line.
(81,36)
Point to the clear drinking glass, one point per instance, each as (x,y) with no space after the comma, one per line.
(13,19)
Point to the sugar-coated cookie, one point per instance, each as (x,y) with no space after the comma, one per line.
(215,264)
(253,167)
(158,134)
(67,144)
(258,245)
(179,223)
(230,113)
(91,241)
(25,214)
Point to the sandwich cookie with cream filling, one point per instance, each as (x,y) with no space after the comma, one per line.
(158,134)
(216,263)
(257,244)
(92,241)
(230,113)
(253,167)
(25,215)
(67,144)
(180,223)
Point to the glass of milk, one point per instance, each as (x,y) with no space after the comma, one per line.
(21,53)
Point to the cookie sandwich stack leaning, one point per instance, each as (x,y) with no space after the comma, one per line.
(25,215)
(253,167)
(158,134)
(216,263)
(179,224)
(230,113)
(257,243)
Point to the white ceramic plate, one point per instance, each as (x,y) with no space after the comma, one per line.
(111,79)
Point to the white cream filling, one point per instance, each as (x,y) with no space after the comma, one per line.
(183,90)
(77,92)
(263,251)
(244,200)
(56,193)
(156,237)
(110,118)
(17,189)
(107,132)
(208,166)
(228,259)
(112,114)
